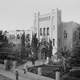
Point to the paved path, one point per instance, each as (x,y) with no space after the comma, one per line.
(2,77)
(22,76)
(9,75)
(12,75)
(32,76)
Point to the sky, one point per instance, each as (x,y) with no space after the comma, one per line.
(19,14)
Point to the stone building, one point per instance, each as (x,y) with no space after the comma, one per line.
(68,38)
(50,26)
(15,35)
(14,38)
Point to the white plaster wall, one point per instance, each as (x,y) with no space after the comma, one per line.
(53,23)
(56,15)
(69,27)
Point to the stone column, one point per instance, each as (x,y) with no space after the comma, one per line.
(57,75)
(39,71)
(39,55)
(5,64)
(14,65)
(43,58)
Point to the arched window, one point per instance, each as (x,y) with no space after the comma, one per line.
(74,35)
(53,42)
(44,31)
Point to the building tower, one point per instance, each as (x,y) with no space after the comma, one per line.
(48,26)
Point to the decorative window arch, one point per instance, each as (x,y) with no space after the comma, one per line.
(76,37)
(53,42)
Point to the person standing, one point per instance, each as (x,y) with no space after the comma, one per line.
(24,69)
(33,61)
(17,75)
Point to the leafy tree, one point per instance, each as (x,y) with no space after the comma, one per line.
(34,46)
(64,55)
(3,46)
(28,46)
(75,57)
(23,45)
(45,48)
(50,49)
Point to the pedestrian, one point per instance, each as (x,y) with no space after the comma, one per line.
(17,75)
(33,62)
(24,71)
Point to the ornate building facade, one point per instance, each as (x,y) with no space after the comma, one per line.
(50,26)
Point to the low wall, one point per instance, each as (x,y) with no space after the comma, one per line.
(38,77)
(33,76)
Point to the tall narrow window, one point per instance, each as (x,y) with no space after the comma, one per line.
(74,35)
(79,35)
(65,34)
(53,42)
(44,31)
(41,31)
(48,31)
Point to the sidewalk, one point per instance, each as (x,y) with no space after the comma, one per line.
(33,76)
(11,75)
(22,76)
(30,75)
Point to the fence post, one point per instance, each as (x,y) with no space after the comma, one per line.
(57,75)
